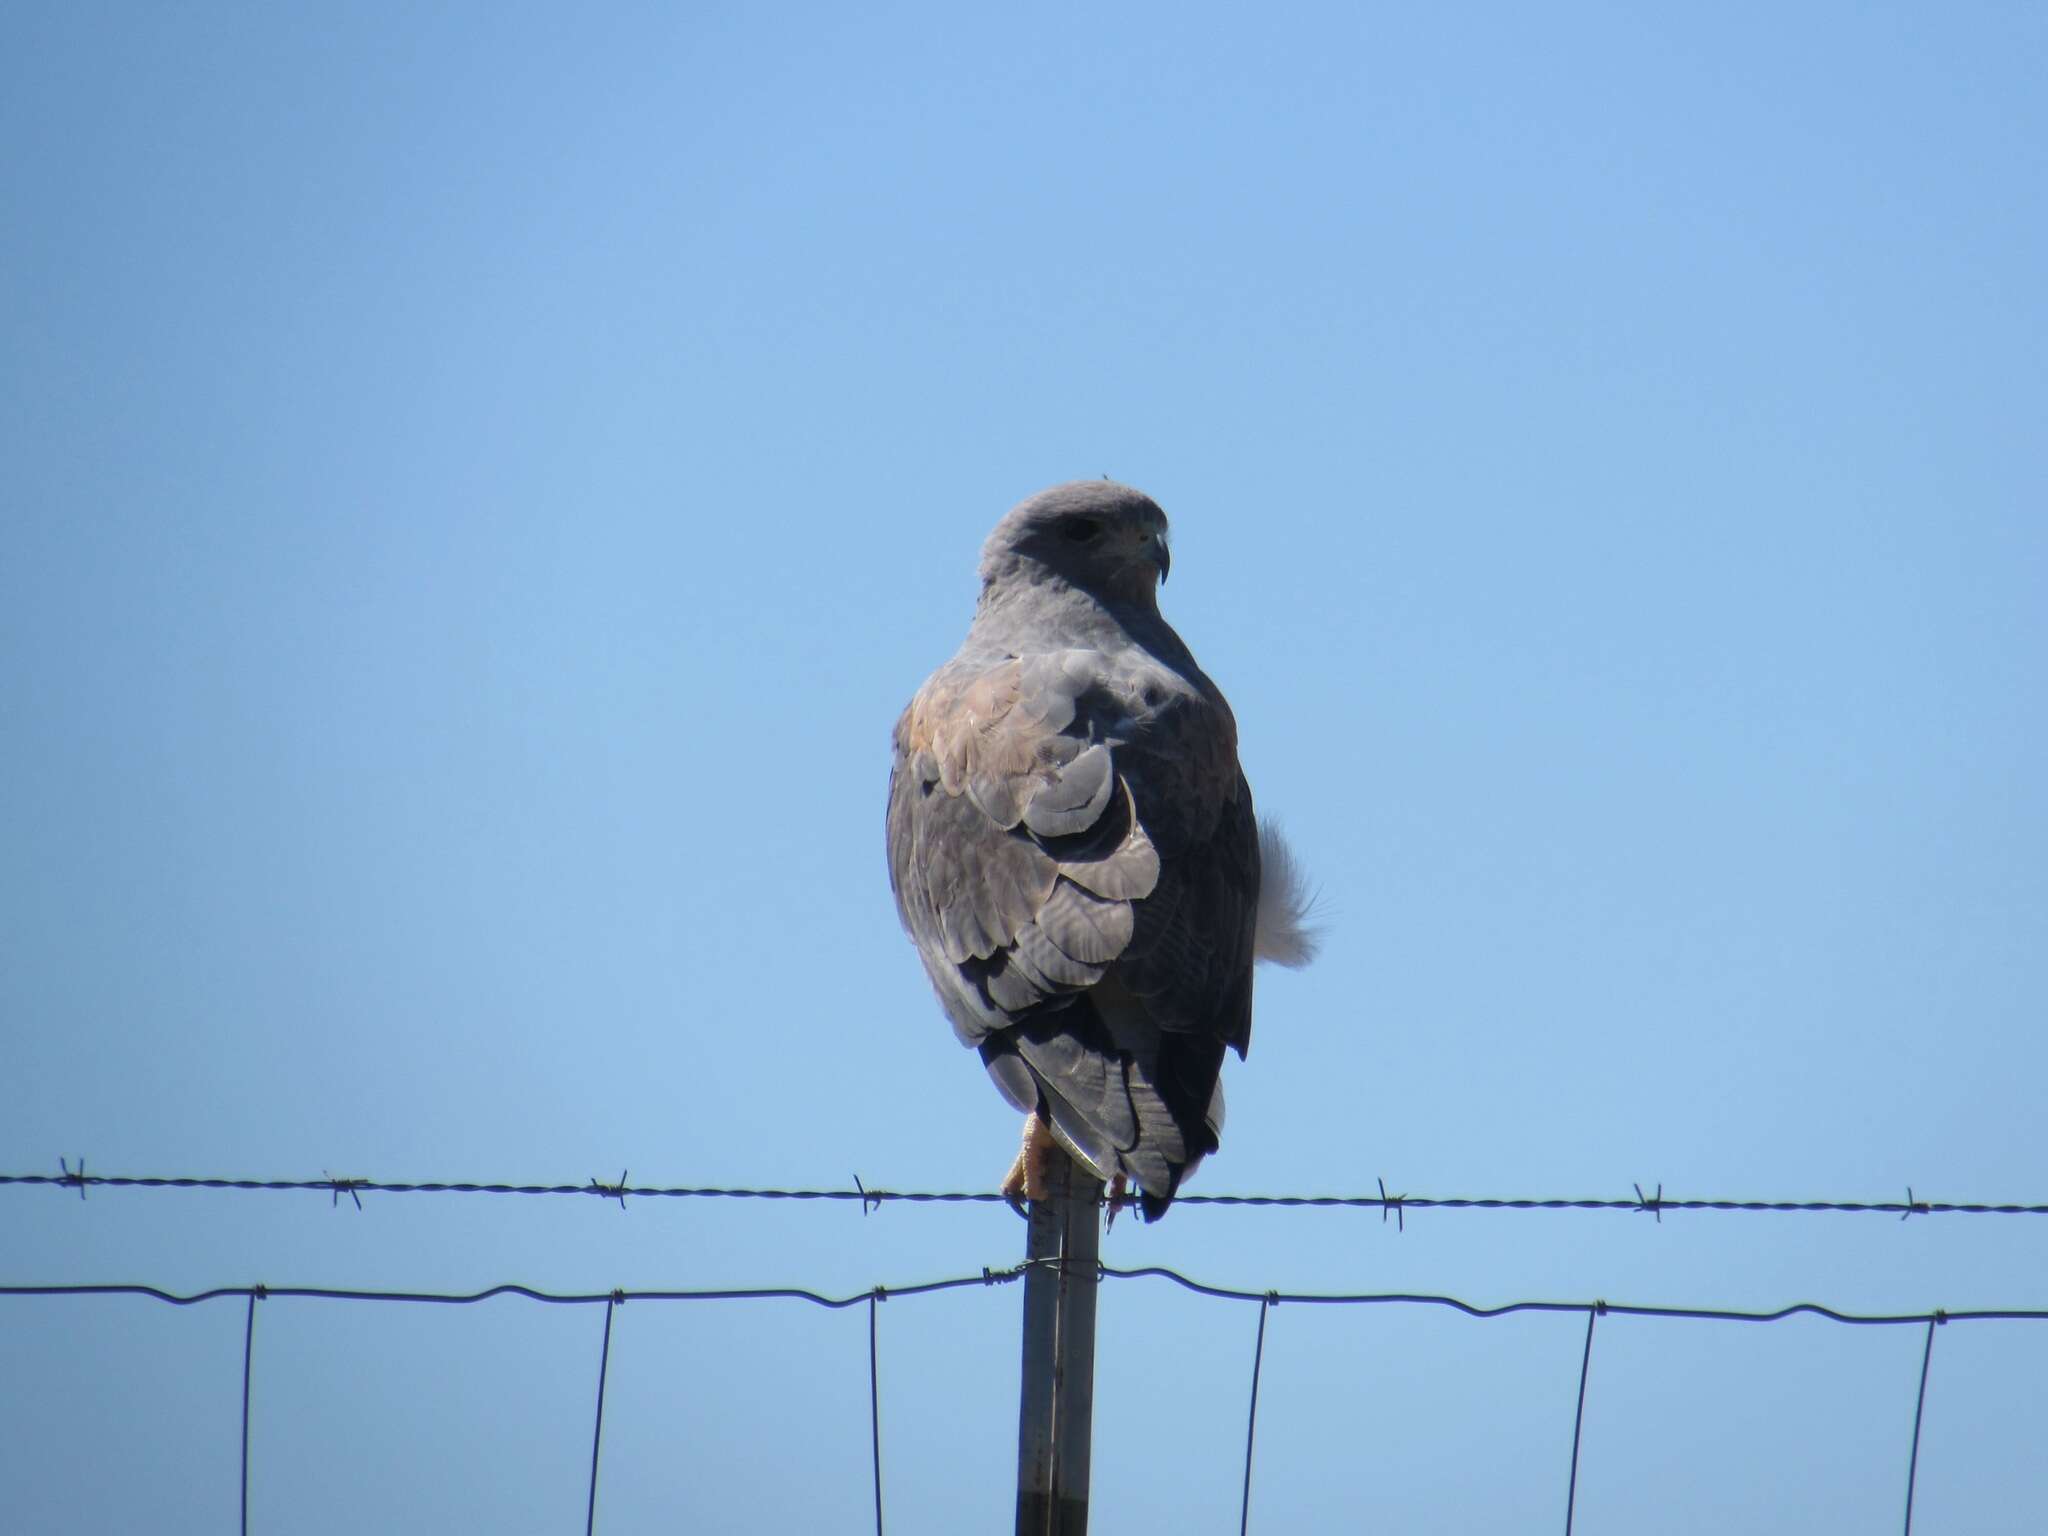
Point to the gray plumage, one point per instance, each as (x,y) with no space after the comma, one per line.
(1073,849)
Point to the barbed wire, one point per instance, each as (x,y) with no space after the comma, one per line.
(1267,1301)
(1655,1204)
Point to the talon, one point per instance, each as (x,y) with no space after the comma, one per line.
(1012,1187)
(1029,1178)
(1116,1200)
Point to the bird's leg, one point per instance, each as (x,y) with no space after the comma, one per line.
(1119,1198)
(1029,1178)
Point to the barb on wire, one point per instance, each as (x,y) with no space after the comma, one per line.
(1394,1203)
(1657,1204)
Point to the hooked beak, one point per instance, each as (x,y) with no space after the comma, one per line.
(1161,556)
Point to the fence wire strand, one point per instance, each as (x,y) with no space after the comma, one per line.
(1657,1204)
(1571,1495)
(604,1369)
(1251,1420)
(991,1276)
(875,1402)
(248,1371)
(1919,1412)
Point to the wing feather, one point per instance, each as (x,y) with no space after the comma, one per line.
(1086,927)
(1078,865)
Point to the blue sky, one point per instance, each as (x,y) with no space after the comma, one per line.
(478,485)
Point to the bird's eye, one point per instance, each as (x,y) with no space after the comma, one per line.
(1080,529)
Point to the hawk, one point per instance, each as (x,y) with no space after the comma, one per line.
(1074,853)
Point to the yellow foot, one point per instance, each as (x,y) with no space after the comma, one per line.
(1029,1178)
(1119,1198)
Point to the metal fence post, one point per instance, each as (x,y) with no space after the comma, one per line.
(1055,1419)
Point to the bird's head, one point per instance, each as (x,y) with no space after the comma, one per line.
(1104,538)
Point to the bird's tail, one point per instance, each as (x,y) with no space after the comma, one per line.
(1286,905)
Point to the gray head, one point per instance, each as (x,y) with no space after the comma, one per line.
(1105,538)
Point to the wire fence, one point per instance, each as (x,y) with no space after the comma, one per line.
(989,1278)
(1654,1203)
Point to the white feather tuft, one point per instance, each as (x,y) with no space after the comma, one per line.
(1285,905)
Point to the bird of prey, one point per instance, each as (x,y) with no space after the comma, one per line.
(1073,850)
